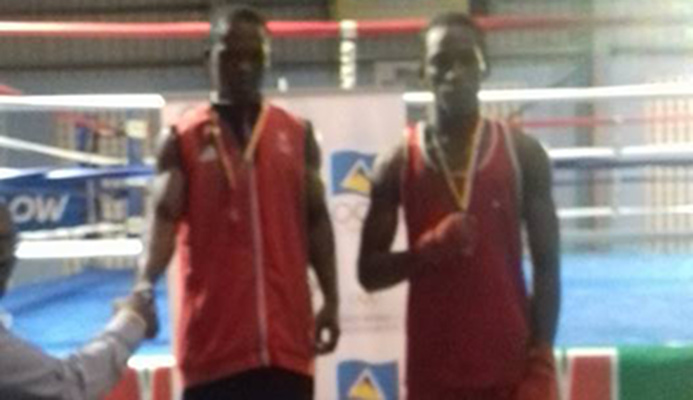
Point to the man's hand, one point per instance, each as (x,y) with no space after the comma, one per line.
(453,237)
(143,305)
(327,323)
(539,382)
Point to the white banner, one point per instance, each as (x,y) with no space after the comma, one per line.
(352,128)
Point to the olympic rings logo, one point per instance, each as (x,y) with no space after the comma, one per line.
(366,299)
(350,214)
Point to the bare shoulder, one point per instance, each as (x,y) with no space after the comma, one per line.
(527,145)
(530,153)
(170,182)
(536,168)
(387,171)
(168,150)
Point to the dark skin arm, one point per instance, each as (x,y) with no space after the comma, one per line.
(378,267)
(541,223)
(321,249)
(169,201)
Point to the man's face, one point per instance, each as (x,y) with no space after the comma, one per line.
(7,259)
(237,63)
(453,68)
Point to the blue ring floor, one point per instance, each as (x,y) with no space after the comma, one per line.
(609,300)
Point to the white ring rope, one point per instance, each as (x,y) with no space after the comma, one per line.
(622,211)
(570,94)
(624,236)
(680,152)
(157,101)
(43,245)
(75,232)
(78,248)
(644,154)
(92,101)
(17,144)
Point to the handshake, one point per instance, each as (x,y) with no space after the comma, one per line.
(141,303)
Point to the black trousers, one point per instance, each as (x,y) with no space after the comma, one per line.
(257,384)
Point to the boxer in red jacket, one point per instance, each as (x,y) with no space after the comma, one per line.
(238,192)
(467,186)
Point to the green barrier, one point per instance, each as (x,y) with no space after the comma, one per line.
(652,373)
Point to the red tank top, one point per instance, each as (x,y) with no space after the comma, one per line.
(467,324)
(245,301)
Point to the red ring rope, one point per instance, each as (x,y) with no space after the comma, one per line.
(314,29)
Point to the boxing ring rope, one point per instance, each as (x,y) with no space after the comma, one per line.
(75,232)
(78,248)
(588,158)
(613,212)
(596,121)
(680,154)
(37,245)
(90,101)
(88,158)
(315,29)
(348,31)
(602,93)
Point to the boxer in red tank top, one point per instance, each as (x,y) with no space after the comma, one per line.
(238,193)
(468,187)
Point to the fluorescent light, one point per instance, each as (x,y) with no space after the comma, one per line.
(87,248)
(107,101)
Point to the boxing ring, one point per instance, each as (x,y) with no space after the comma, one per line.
(627,266)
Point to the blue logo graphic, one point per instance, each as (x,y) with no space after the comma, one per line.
(351,172)
(360,380)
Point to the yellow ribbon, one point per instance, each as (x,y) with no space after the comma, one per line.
(462,197)
(248,154)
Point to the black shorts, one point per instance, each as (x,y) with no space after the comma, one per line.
(257,384)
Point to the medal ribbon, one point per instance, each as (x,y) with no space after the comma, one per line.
(462,197)
(248,154)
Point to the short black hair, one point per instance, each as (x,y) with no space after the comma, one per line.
(226,15)
(459,19)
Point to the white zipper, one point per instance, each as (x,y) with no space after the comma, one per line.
(259,270)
